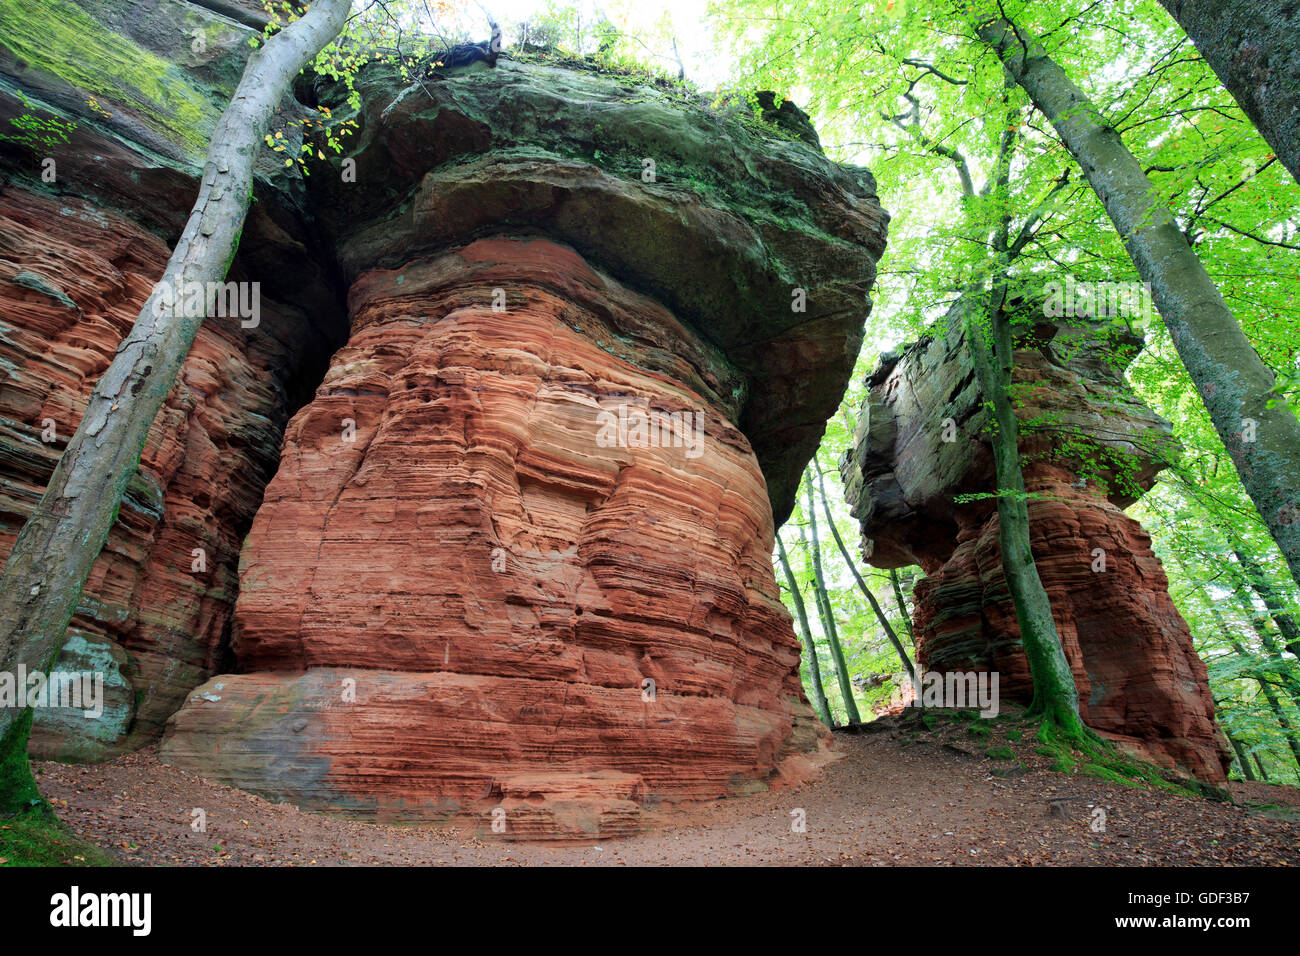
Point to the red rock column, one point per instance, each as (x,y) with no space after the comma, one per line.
(459,533)
(1140,681)
(918,477)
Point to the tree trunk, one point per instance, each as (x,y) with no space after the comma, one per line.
(1279,714)
(1259,623)
(902,605)
(1254,50)
(1259,583)
(1234,383)
(1242,762)
(801,613)
(1288,732)
(862,585)
(1260,764)
(828,615)
(56,548)
(1055,693)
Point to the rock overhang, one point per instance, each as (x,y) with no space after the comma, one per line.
(904,472)
(734,219)
(922,482)
(739,214)
(751,215)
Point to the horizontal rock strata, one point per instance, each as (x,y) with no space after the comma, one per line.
(458,523)
(1089,448)
(524,251)
(159,600)
(531,505)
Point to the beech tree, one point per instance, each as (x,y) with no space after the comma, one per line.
(1233,202)
(825,609)
(54,552)
(818,693)
(1254,49)
(983,311)
(901,601)
(1259,430)
(1055,695)
(857,577)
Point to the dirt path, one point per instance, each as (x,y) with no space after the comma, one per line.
(888,801)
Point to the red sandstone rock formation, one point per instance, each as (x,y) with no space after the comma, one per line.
(479,582)
(72,279)
(1140,682)
(497,578)
(1091,448)
(462,596)
(88,210)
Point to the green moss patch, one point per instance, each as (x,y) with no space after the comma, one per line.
(38,838)
(1096,757)
(59,38)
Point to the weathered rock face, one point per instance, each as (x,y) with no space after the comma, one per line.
(87,215)
(517,554)
(757,243)
(72,278)
(485,571)
(1089,449)
(479,580)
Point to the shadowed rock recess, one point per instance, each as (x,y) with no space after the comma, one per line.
(105,112)
(1089,448)
(514,553)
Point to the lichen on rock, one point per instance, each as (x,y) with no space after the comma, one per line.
(920,479)
(517,258)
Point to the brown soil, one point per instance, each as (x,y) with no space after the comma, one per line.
(896,797)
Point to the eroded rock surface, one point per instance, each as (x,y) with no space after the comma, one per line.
(72,279)
(1089,449)
(460,594)
(470,554)
(105,111)
(514,589)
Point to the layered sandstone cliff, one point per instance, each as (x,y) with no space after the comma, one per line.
(97,170)
(515,555)
(918,477)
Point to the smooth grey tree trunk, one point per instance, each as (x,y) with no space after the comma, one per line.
(862,585)
(1279,713)
(1242,762)
(1233,382)
(1254,50)
(801,612)
(1253,572)
(902,604)
(1259,624)
(828,613)
(54,552)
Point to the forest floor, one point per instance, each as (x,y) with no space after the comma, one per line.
(897,796)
